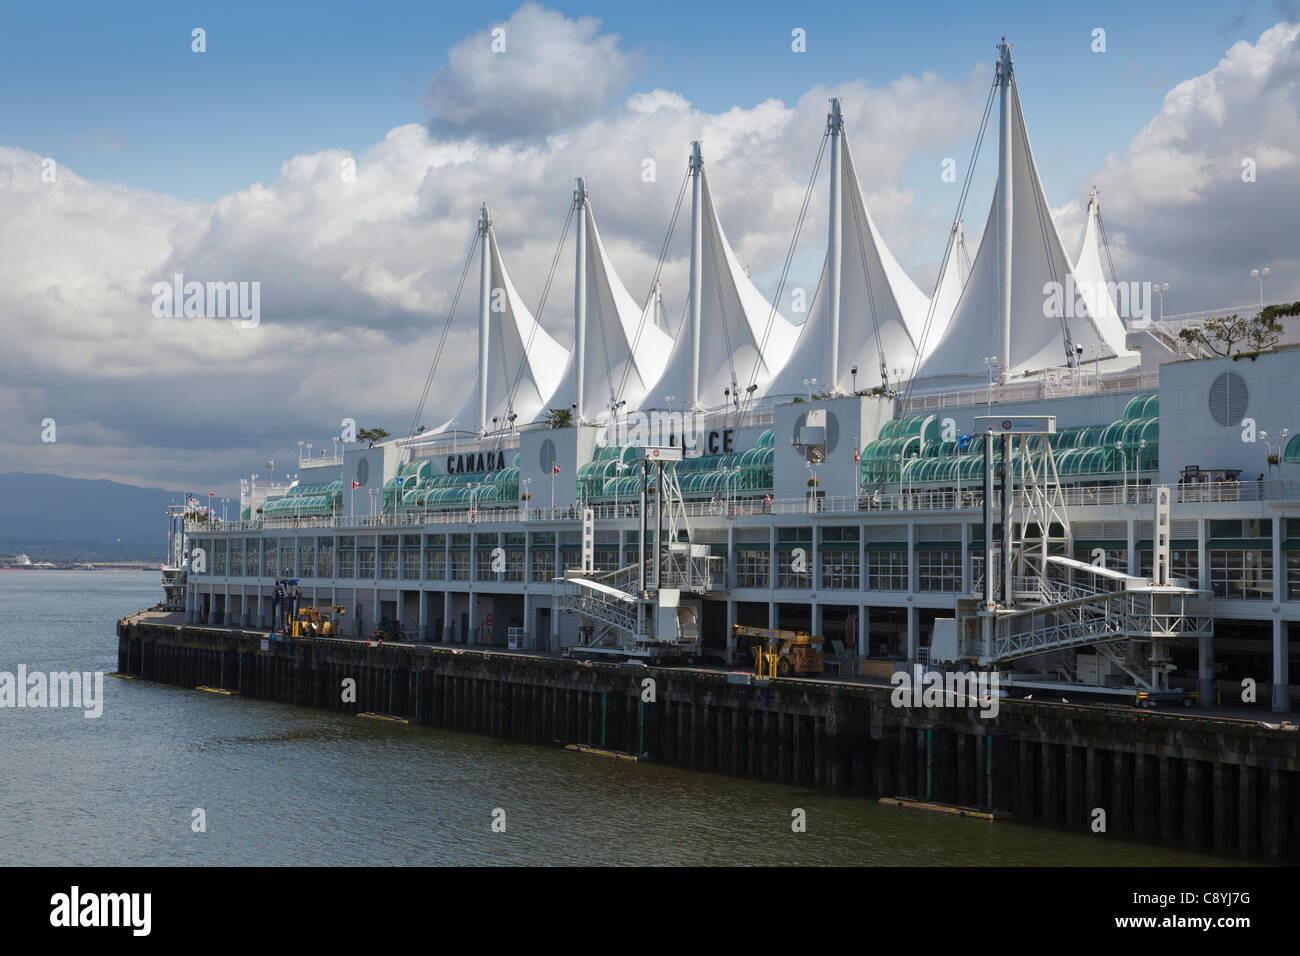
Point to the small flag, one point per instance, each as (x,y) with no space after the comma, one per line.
(555,470)
(857,455)
(399,481)
(356,485)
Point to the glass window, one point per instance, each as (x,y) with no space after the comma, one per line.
(841,569)
(543,562)
(753,568)
(435,564)
(1242,574)
(366,563)
(938,571)
(887,570)
(410,565)
(1293,575)
(347,563)
(794,568)
(306,561)
(325,559)
(459,565)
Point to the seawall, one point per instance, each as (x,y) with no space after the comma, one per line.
(1196,782)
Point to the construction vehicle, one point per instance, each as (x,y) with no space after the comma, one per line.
(318,621)
(785,652)
(390,629)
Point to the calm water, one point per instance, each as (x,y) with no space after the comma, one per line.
(281,784)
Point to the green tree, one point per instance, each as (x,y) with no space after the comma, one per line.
(372,435)
(560,417)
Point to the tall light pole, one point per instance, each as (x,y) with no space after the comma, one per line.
(1160,290)
(810,384)
(1119,447)
(990,363)
(1281,446)
(1258,275)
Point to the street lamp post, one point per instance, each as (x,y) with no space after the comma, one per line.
(990,363)
(810,384)
(1119,448)
(1258,275)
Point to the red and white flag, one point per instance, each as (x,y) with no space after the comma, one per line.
(555,470)
(356,485)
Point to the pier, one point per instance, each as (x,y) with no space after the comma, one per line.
(1181,780)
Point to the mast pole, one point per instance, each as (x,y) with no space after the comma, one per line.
(484,303)
(1005,203)
(580,295)
(833,246)
(697,257)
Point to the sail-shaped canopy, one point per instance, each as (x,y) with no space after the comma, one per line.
(626,350)
(953,274)
(1090,277)
(524,363)
(882,311)
(743,339)
(1037,258)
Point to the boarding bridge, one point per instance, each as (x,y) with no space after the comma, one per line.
(651,608)
(1041,603)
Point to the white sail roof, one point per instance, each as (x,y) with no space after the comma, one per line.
(1090,277)
(1037,258)
(626,349)
(952,279)
(882,311)
(736,344)
(524,363)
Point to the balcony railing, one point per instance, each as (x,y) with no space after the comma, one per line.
(906,501)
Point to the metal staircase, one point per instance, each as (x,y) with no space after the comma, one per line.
(644,609)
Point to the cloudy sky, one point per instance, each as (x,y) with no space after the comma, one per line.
(127,157)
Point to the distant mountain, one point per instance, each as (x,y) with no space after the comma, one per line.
(54,518)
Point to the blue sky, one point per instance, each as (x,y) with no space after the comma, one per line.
(114,90)
(161,152)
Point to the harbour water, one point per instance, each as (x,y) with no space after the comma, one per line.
(286,785)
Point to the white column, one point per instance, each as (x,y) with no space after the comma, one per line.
(1281,665)
(445,636)
(1004,205)
(731,631)
(697,257)
(484,303)
(580,296)
(833,253)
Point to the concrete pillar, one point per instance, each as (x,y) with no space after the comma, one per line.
(815,611)
(190,601)
(731,630)
(1132,526)
(422,597)
(225,611)
(862,640)
(472,636)
(965,557)
(913,633)
(243,606)
(771,614)
(1281,663)
(447,625)
(528,611)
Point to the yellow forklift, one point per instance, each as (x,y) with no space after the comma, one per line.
(317,621)
(780,653)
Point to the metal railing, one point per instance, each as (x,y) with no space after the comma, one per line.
(1049,383)
(910,501)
